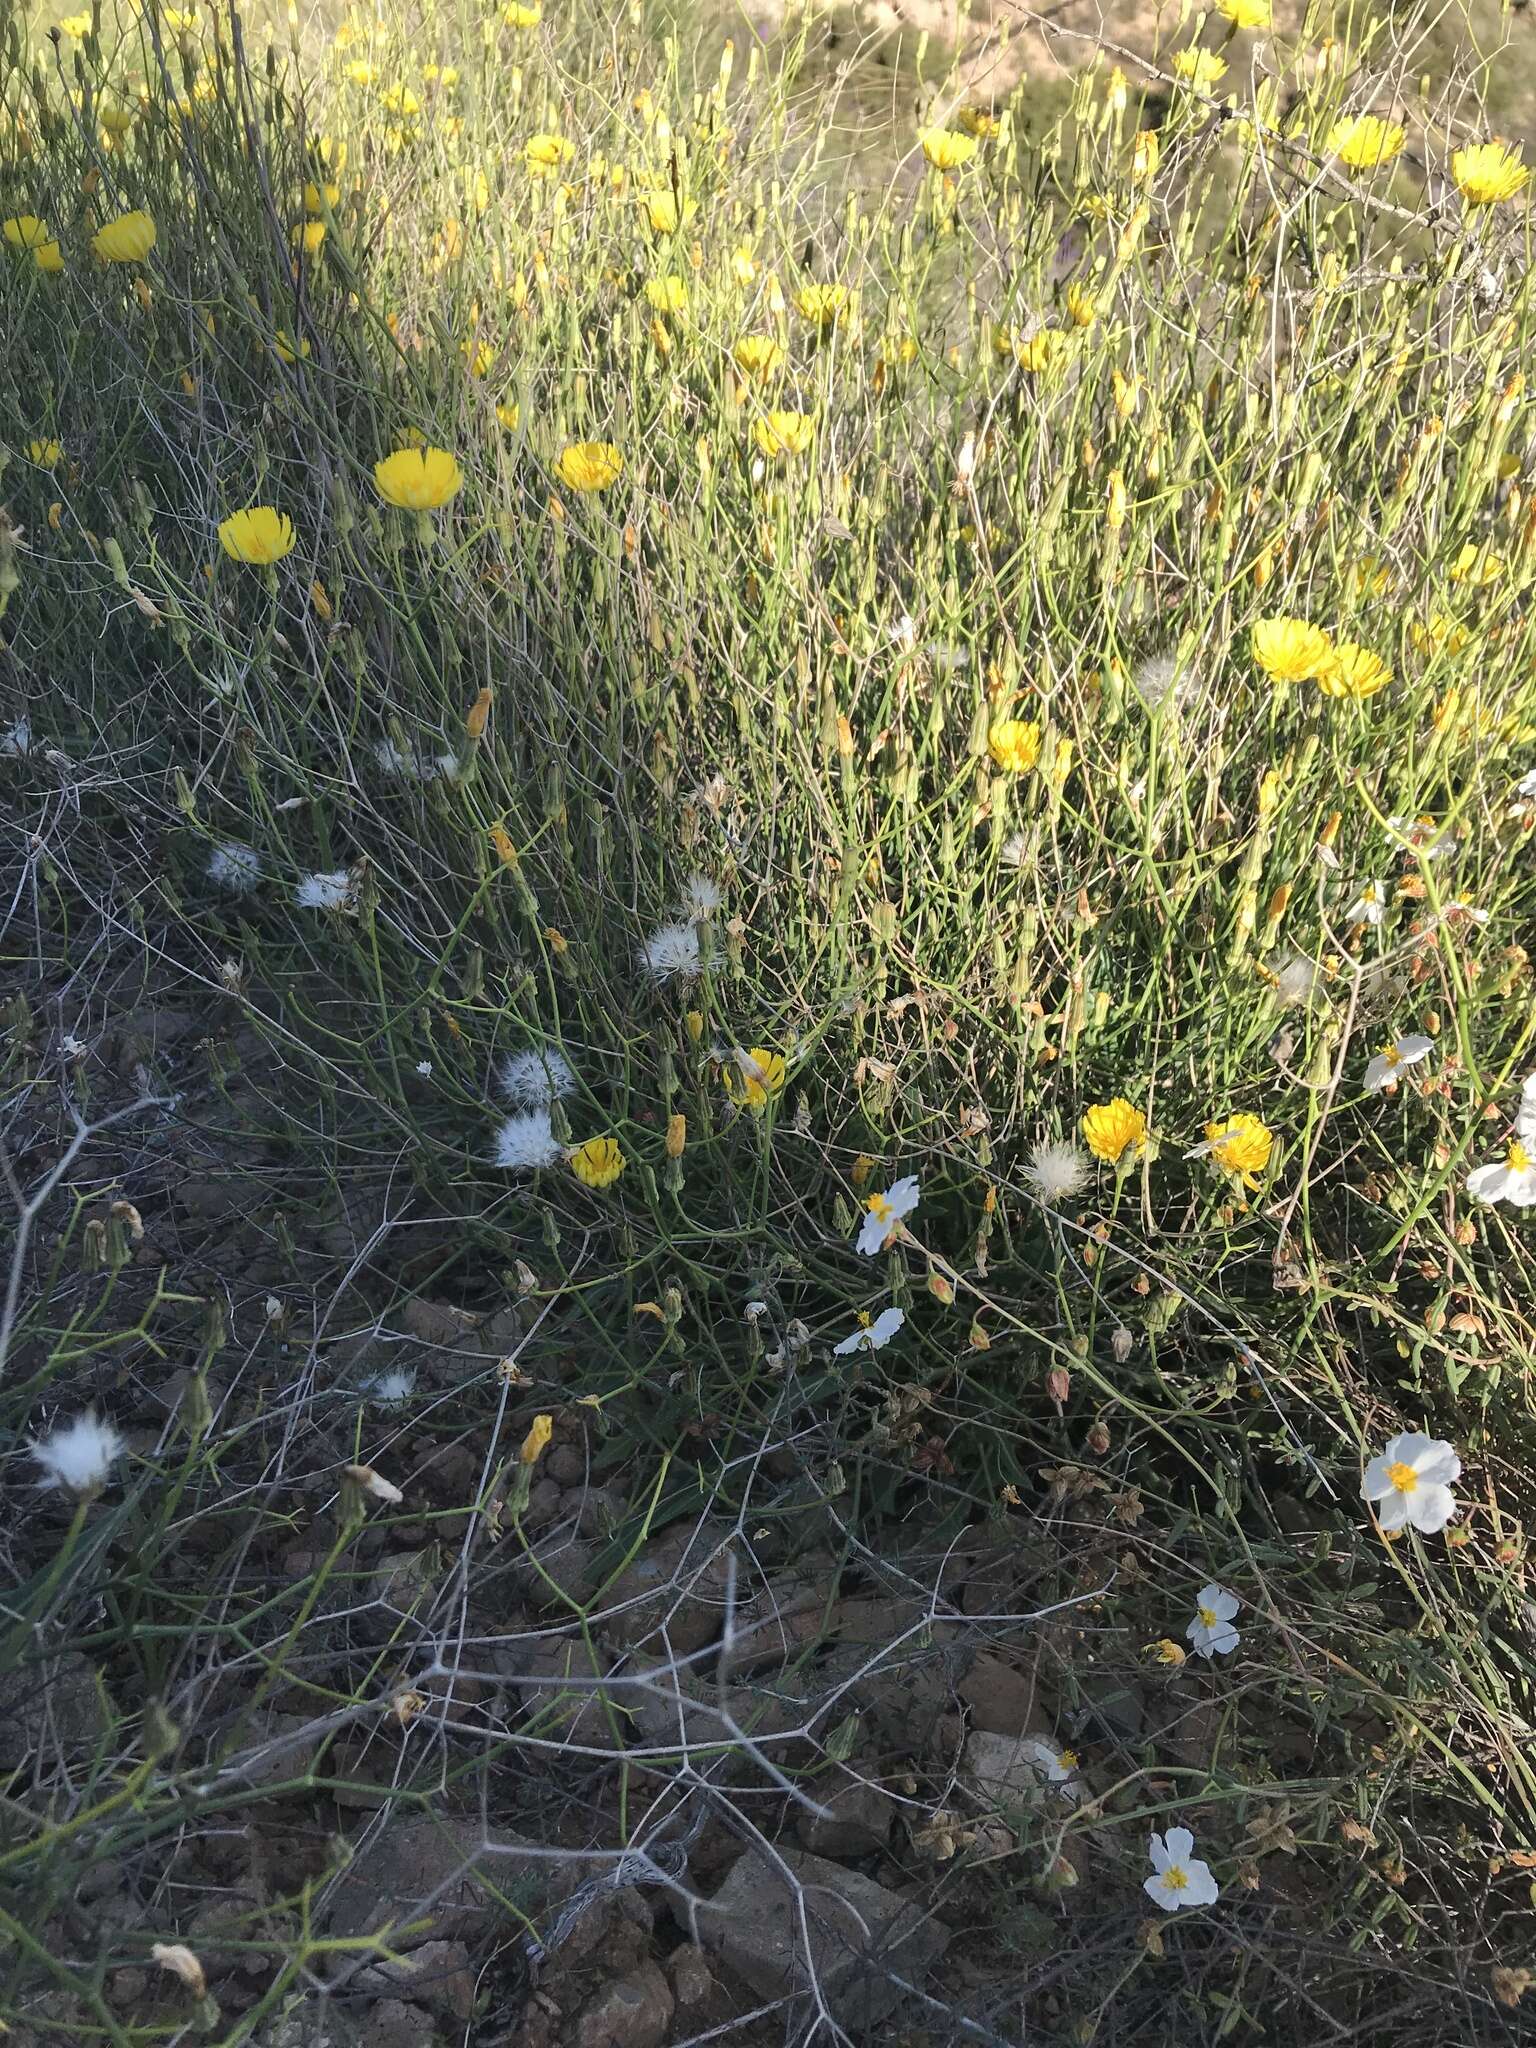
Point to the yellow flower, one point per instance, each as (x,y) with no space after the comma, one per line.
(1199,68)
(536,1442)
(1112,1128)
(1146,157)
(478,356)
(44,453)
(48,256)
(510,414)
(517,15)
(1082,306)
(1242,1144)
(260,534)
(1290,650)
(128,239)
(1487,173)
(662,212)
(1014,744)
(743,265)
(417,479)
(26,231)
(945,150)
(75,25)
(1437,631)
(1244,13)
(544,154)
(399,99)
(1041,352)
(1353,671)
(784,433)
(754,1078)
(589,466)
(667,294)
(317,198)
(1476,566)
(822,304)
(308,235)
(757,355)
(598,1162)
(978,122)
(1365,142)
(283,342)
(361,74)
(1370,577)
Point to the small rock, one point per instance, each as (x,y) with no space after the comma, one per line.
(441,1324)
(1011,1770)
(677,1583)
(566,1465)
(859,1933)
(1119,1706)
(566,1701)
(629,2012)
(394,2024)
(557,1571)
(688,1968)
(857,1819)
(1001,1698)
(615,1931)
(127,1987)
(437,1976)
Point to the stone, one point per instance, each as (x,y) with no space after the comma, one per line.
(1118,1705)
(391,2023)
(431,1878)
(437,1976)
(633,2011)
(857,1817)
(615,1931)
(1011,1770)
(566,1701)
(557,1572)
(860,1933)
(688,1968)
(678,1583)
(51,1708)
(1002,1700)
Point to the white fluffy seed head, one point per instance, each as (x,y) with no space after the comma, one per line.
(391,1387)
(701,898)
(1156,680)
(1055,1170)
(672,953)
(332,891)
(236,867)
(534,1077)
(78,1456)
(527,1141)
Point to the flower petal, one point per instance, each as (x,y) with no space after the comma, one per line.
(1179,1843)
(1438,1465)
(1430,1508)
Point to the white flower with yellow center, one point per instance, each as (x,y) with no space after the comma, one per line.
(872,1333)
(1411,1483)
(885,1212)
(1382,1071)
(1511,1179)
(1211,1632)
(1178,1877)
(1370,906)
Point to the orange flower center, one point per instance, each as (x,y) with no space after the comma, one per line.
(1403,1477)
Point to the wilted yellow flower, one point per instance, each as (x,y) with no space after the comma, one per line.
(1199,68)
(1437,631)
(544,154)
(1082,306)
(1146,156)
(945,150)
(1244,13)
(667,294)
(26,231)
(1353,671)
(589,466)
(754,1078)
(1370,577)
(1242,1144)
(1167,1651)
(282,342)
(1476,565)
(536,1442)
(44,453)
(743,265)
(757,355)
(260,534)
(418,479)
(1112,1128)
(784,433)
(1365,141)
(1290,650)
(128,239)
(661,210)
(598,1162)
(1487,173)
(1042,351)
(1014,744)
(822,304)
(509,413)
(978,122)
(519,15)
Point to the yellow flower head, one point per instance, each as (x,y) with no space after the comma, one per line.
(519,15)
(1244,13)
(1488,173)
(417,479)
(48,256)
(478,356)
(589,466)
(44,453)
(1040,353)
(1476,566)
(26,231)
(822,304)
(536,1442)
(75,25)
(1146,157)
(544,154)
(945,150)
(321,198)
(399,99)
(1365,142)
(598,1163)
(260,534)
(784,433)
(509,414)
(308,235)
(1438,631)
(666,294)
(283,343)
(1014,744)
(128,239)
(1290,650)
(661,210)
(1199,68)
(978,122)
(1353,671)
(359,73)
(1112,1128)
(757,355)
(1082,306)
(1242,1144)
(754,1078)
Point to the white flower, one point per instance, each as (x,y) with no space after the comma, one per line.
(1511,1179)
(73,1048)
(1178,1877)
(885,1212)
(393,759)
(672,953)
(17,739)
(1370,906)
(1211,1631)
(1381,1072)
(325,892)
(534,1077)
(1421,835)
(424,1068)
(1526,786)
(233,866)
(1525,1115)
(873,1334)
(701,898)
(1056,1170)
(79,1456)
(1412,1482)
(527,1141)
(1055,1765)
(391,1387)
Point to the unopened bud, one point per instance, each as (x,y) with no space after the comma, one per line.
(1058,1384)
(181,1963)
